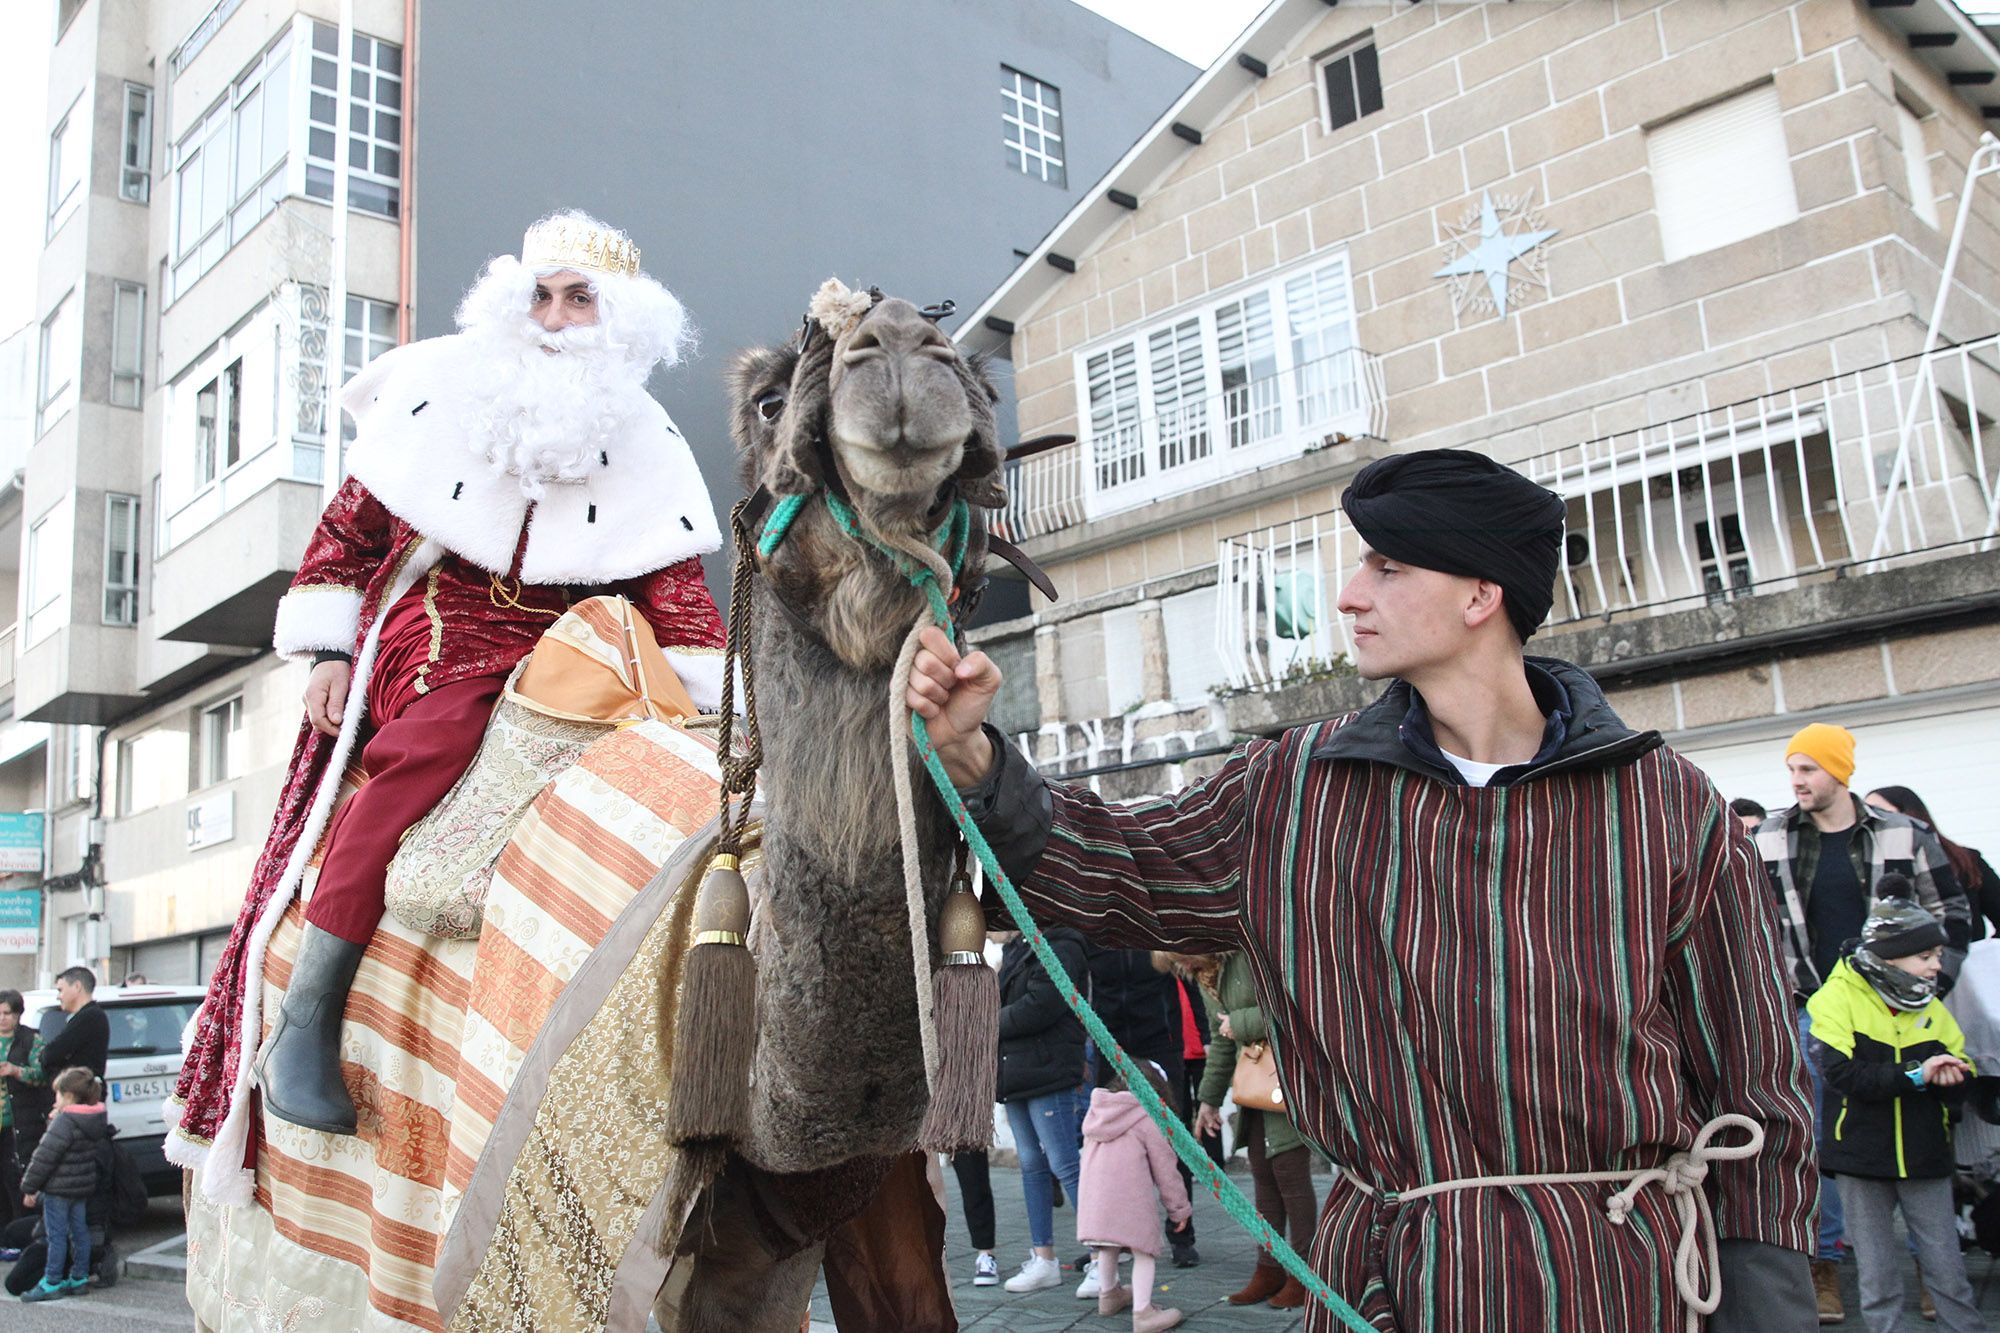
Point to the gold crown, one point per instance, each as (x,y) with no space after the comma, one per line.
(561,244)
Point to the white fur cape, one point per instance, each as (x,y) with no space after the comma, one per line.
(643,507)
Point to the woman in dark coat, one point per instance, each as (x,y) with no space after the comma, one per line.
(1982,886)
(24,1100)
(1041,1064)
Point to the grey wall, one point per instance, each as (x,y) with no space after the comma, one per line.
(755,148)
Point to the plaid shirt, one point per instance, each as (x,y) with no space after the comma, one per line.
(1883,842)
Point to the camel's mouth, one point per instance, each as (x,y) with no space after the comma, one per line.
(898,466)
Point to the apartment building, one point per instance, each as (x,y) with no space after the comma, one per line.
(179,450)
(1675,261)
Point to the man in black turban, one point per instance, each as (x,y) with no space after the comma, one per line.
(1462,513)
(1574,972)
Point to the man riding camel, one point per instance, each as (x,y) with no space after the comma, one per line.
(498,476)
(1496,934)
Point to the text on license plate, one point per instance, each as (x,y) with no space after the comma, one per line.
(140,1089)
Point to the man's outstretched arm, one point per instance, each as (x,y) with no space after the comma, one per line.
(1162,874)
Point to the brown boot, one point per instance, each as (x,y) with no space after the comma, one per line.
(1924,1305)
(1291,1296)
(1266,1282)
(1826,1290)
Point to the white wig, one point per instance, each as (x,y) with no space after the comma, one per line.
(643,322)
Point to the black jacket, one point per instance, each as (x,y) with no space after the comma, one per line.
(84,1040)
(1041,1041)
(70,1160)
(1140,1006)
(30,1101)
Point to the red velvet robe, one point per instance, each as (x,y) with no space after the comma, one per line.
(360,561)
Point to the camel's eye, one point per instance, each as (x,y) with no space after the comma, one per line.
(769,404)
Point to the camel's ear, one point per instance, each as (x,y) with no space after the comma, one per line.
(793,467)
(980,476)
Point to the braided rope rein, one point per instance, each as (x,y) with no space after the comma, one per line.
(924,574)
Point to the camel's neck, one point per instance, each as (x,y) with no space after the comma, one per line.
(839,1071)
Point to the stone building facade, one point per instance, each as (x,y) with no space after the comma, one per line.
(1676,261)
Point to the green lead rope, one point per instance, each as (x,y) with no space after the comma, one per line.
(952,539)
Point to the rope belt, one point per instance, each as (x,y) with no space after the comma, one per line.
(1680,1177)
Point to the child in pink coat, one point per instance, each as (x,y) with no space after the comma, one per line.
(1127,1173)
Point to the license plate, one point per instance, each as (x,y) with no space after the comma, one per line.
(140,1089)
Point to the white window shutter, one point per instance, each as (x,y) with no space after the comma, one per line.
(1722,173)
(1917,162)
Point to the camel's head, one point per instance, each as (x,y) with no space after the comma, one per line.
(876,401)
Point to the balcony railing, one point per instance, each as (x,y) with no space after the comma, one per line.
(1807,483)
(1199,442)
(9,638)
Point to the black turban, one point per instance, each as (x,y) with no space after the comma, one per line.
(1462,513)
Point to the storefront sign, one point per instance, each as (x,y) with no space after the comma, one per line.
(20,921)
(211,821)
(20,843)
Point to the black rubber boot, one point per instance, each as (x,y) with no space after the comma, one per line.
(299,1067)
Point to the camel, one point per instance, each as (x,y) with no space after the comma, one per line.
(888,411)
(439,1213)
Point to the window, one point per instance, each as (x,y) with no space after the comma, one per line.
(62,350)
(1725,572)
(1321,315)
(374,122)
(229,170)
(1194,665)
(1031,126)
(152,769)
(1247,354)
(218,433)
(135,162)
(1180,386)
(1917,162)
(1116,441)
(222,740)
(121,559)
(1237,385)
(128,344)
(371,331)
(1721,173)
(69,154)
(1350,85)
(50,538)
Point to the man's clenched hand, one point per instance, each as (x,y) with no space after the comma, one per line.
(953,695)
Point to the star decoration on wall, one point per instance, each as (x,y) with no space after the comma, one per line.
(1488,263)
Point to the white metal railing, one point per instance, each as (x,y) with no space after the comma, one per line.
(9,637)
(1853,474)
(1044,493)
(1199,442)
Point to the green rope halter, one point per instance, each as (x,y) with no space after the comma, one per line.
(952,539)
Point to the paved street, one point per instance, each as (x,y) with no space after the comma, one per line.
(149,1298)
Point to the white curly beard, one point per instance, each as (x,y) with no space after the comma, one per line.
(552,403)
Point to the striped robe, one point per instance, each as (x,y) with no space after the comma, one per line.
(1569,972)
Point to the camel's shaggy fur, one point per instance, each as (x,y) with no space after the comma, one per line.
(838,1072)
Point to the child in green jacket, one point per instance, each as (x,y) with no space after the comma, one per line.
(1895,1068)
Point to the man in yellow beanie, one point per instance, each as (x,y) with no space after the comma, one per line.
(1824,857)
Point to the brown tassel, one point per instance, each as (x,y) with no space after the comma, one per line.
(716,1033)
(965,1004)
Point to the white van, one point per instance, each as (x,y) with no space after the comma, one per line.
(144,1060)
